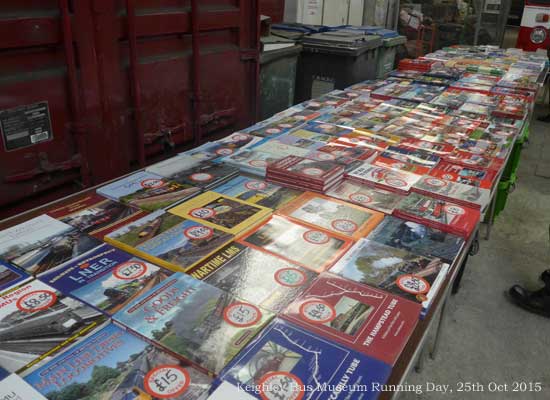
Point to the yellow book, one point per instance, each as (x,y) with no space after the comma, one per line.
(228,214)
(168,240)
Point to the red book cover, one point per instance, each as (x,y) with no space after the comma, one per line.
(388,162)
(474,160)
(371,321)
(303,169)
(441,214)
(484,178)
(439,148)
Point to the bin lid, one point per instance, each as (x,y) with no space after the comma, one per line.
(342,41)
(368,29)
(394,41)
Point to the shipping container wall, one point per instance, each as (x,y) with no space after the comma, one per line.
(91,89)
(273,8)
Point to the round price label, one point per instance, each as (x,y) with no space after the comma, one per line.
(224,151)
(280,385)
(198,232)
(454,210)
(344,225)
(130,270)
(317,311)
(361,198)
(255,185)
(202,212)
(285,126)
(320,155)
(316,237)
(201,177)
(312,171)
(240,137)
(395,182)
(447,176)
(258,163)
(469,161)
(273,131)
(167,381)
(36,301)
(242,315)
(152,183)
(314,104)
(435,182)
(413,284)
(290,277)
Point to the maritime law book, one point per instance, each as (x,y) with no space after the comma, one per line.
(107,278)
(194,320)
(255,276)
(115,364)
(287,362)
(363,318)
(168,240)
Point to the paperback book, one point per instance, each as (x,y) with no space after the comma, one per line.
(365,319)
(366,196)
(221,212)
(441,214)
(254,276)
(315,249)
(115,364)
(331,214)
(223,147)
(288,362)
(11,276)
(309,130)
(147,191)
(414,277)
(258,191)
(418,238)
(397,161)
(43,243)
(168,240)
(106,279)
(96,215)
(37,322)
(251,161)
(194,320)
(484,178)
(13,387)
(384,178)
(459,193)
(438,148)
(474,160)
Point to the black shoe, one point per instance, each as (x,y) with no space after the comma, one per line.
(545,277)
(544,119)
(537,302)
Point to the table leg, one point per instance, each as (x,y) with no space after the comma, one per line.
(435,343)
(420,362)
(491,216)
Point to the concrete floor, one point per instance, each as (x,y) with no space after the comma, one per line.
(485,338)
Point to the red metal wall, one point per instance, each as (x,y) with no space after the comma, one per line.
(274,8)
(124,82)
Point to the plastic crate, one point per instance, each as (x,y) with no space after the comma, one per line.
(505,187)
(386,55)
(513,162)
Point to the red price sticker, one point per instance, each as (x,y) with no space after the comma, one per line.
(36,301)
(201,177)
(396,182)
(130,270)
(240,137)
(316,237)
(224,151)
(198,232)
(290,277)
(413,284)
(242,315)
(280,385)
(360,198)
(344,225)
(324,156)
(152,183)
(258,163)
(435,182)
(167,381)
(255,185)
(202,212)
(317,311)
(312,171)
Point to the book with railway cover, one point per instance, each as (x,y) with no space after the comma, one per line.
(117,365)
(221,212)
(417,238)
(43,243)
(484,178)
(168,240)
(374,198)
(313,248)
(289,362)
(10,276)
(147,191)
(13,387)
(194,320)
(107,278)
(412,276)
(223,147)
(251,161)
(384,178)
(357,316)
(332,214)
(254,276)
(459,193)
(96,215)
(37,322)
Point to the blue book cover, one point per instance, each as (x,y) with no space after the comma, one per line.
(107,279)
(10,275)
(286,362)
(115,364)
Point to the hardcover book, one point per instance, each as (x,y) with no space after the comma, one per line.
(439,148)
(115,364)
(474,160)
(251,161)
(484,178)
(254,276)
(447,216)
(96,215)
(417,238)
(37,322)
(43,243)
(147,191)
(168,240)
(459,193)
(315,249)
(258,191)
(224,147)
(414,277)
(221,212)
(385,178)
(194,320)
(288,362)
(331,214)
(306,170)
(107,278)
(357,316)
(11,276)
(366,196)
(13,387)
(399,162)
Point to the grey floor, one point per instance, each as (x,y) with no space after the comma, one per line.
(485,338)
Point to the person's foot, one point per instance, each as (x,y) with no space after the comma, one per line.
(544,119)
(545,277)
(537,302)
